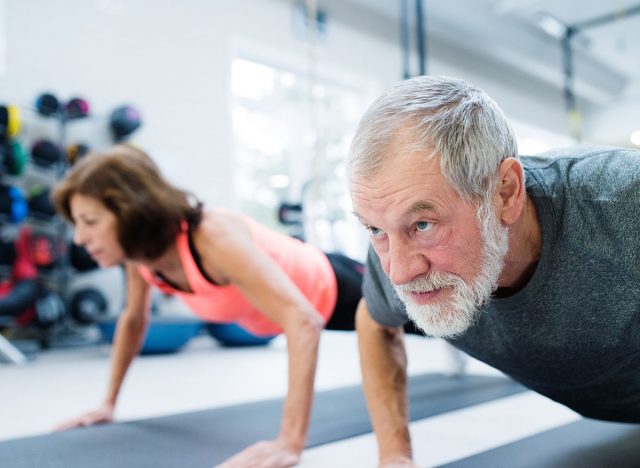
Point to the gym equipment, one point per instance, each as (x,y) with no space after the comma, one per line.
(123,121)
(50,309)
(80,259)
(7,259)
(232,335)
(45,153)
(13,203)
(4,122)
(43,250)
(14,121)
(7,253)
(76,108)
(6,157)
(40,205)
(290,214)
(165,334)
(9,352)
(88,306)
(75,152)
(47,104)
(9,121)
(206,438)
(13,157)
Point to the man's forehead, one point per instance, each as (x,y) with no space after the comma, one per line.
(399,170)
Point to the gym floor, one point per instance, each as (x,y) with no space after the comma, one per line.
(61,383)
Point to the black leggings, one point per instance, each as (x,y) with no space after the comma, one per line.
(349,275)
(349,278)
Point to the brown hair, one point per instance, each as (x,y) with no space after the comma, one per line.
(148,208)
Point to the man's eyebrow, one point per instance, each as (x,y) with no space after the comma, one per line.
(420,206)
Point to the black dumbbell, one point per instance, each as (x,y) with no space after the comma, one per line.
(50,309)
(88,306)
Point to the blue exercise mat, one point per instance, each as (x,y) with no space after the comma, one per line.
(203,438)
(582,444)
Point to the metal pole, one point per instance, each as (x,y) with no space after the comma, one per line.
(575,124)
(421,37)
(404,37)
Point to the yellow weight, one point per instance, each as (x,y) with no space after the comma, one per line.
(13,126)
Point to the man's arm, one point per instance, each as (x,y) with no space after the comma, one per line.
(384,374)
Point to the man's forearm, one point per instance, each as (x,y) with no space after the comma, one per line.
(384,375)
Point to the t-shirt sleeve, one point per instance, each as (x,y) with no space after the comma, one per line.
(384,305)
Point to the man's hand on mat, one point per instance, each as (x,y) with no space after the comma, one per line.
(265,454)
(104,414)
(397,462)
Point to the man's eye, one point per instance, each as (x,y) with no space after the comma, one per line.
(423,226)
(374,231)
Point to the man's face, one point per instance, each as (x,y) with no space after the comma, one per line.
(442,263)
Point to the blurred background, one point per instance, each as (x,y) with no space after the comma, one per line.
(252,104)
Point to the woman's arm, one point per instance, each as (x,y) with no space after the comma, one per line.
(269,289)
(130,331)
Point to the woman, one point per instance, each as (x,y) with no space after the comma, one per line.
(224,266)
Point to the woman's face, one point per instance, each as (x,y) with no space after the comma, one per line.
(96,230)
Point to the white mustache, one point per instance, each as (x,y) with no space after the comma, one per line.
(429,283)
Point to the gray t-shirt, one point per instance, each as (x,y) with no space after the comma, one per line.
(573,332)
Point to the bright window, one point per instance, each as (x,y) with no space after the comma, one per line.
(292,138)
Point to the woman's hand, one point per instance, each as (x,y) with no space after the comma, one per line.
(102,414)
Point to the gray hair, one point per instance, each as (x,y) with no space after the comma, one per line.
(464,125)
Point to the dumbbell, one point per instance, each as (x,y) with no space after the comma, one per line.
(50,309)
(44,250)
(76,151)
(9,121)
(8,257)
(47,104)
(13,158)
(45,153)
(123,121)
(40,205)
(88,306)
(76,108)
(13,203)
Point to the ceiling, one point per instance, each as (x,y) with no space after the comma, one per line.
(606,57)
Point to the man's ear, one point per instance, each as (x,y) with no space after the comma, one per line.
(510,191)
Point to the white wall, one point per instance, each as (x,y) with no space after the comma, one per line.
(171,59)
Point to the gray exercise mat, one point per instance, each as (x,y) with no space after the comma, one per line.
(203,438)
(582,444)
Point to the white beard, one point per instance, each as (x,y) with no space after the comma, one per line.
(453,316)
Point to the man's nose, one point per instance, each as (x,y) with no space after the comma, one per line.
(405,263)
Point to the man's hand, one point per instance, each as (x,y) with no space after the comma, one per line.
(265,454)
(103,414)
(397,462)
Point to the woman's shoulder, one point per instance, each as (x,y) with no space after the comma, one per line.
(220,226)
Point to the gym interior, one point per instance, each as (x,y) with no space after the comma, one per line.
(252,106)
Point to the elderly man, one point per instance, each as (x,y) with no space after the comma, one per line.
(529,264)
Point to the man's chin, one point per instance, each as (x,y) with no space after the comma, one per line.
(441,322)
